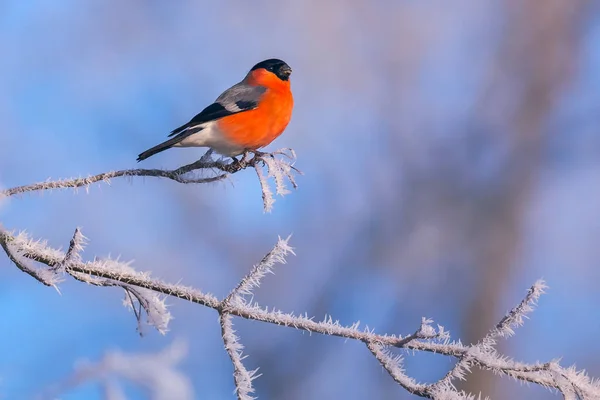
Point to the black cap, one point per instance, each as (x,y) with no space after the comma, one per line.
(276,66)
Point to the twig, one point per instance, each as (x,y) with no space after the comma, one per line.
(241,376)
(73,253)
(265,266)
(393,365)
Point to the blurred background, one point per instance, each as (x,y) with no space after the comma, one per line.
(451,158)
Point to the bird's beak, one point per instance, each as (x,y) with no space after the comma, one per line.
(286,70)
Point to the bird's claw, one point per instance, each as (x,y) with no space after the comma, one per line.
(247,161)
(259,154)
(245,156)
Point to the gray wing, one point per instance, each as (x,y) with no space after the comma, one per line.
(238,98)
(241,97)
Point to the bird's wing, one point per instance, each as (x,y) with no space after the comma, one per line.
(238,98)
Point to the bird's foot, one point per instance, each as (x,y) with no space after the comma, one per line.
(259,154)
(245,156)
(246,161)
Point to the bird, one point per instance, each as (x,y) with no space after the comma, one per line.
(246,117)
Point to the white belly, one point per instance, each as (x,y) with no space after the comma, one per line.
(211,136)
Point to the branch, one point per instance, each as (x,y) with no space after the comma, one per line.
(107,272)
(505,328)
(278,168)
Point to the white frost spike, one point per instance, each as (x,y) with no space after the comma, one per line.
(16,253)
(73,255)
(77,245)
(252,280)
(154,305)
(426,329)
(242,377)
(277,169)
(393,365)
(514,318)
(40,248)
(267,195)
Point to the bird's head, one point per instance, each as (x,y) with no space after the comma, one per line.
(275,66)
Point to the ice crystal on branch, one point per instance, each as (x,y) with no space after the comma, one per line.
(515,318)
(281,169)
(265,266)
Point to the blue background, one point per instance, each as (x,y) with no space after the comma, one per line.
(451,158)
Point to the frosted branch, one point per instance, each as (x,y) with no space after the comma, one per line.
(427,338)
(17,255)
(515,318)
(241,376)
(278,168)
(267,195)
(393,365)
(73,254)
(265,266)
(505,328)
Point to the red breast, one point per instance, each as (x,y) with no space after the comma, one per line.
(257,128)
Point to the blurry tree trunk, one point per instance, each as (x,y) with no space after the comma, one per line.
(535,57)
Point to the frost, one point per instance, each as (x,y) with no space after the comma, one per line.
(242,377)
(280,169)
(253,278)
(267,195)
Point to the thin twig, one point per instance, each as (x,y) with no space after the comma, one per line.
(394,367)
(265,266)
(241,376)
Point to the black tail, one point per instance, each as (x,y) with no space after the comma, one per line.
(159,147)
(180,129)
